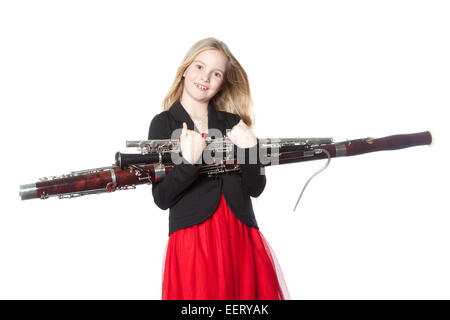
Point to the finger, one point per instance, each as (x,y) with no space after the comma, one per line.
(232,137)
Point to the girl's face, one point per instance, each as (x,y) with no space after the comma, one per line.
(205,75)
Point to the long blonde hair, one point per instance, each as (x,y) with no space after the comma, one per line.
(234,97)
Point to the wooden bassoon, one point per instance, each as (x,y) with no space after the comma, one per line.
(158,157)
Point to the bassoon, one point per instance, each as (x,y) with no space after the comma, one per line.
(156,159)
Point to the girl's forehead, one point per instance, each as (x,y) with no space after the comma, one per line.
(212,58)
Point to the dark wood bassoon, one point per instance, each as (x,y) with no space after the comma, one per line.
(156,160)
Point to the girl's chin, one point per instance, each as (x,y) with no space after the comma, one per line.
(201,96)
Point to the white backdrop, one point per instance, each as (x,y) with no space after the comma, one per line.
(78,78)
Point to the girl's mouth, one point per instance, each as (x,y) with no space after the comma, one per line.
(202,88)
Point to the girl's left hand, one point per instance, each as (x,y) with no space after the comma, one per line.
(242,136)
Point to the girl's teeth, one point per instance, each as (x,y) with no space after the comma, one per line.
(201,87)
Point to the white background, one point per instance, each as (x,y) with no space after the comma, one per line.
(79,78)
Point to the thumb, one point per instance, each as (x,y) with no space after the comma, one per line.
(242,124)
(184,130)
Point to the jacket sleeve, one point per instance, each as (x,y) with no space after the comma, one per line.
(253,176)
(169,189)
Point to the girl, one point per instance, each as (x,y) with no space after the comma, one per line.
(215,249)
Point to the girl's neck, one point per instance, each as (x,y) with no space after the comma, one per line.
(194,108)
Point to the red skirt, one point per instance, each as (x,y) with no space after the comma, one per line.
(221,258)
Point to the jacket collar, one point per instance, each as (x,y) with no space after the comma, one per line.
(215,118)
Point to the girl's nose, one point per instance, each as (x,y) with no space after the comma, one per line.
(205,76)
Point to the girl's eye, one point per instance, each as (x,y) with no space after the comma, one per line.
(218,74)
(198,66)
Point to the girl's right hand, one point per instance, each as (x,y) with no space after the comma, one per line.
(192,144)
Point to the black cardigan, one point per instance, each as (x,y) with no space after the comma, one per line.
(191,197)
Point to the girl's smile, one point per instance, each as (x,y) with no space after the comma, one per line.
(201,87)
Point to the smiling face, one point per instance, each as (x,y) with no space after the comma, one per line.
(205,75)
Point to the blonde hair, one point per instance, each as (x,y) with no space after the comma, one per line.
(234,96)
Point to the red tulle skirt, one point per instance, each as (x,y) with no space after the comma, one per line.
(221,258)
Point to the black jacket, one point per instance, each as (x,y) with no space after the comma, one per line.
(191,197)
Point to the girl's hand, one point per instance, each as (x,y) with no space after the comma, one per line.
(192,144)
(242,136)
